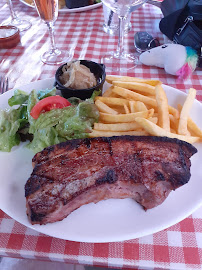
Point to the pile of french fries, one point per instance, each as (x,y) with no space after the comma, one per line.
(132,106)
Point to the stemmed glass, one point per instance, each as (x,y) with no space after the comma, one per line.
(48,12)
(120,60)
(22,25)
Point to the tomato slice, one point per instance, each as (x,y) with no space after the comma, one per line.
(47,104)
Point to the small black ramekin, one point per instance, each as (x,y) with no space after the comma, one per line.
(97,69)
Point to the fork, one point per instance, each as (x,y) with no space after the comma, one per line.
(3,84)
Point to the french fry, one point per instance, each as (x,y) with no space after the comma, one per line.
(124,118)
(194,129)
(126,109)
(98,133)
(173,111)
(173,122)
(104,108)
(153,120)
(128,94)
(136,86)
(155,130)
(110,79)
(162,105)
(140,106)
(132,106)
(117,127)
(114,95)
(184,114)
(113,101)
(152,82)
(192,126)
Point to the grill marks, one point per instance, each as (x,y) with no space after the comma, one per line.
(77,172)
(79,164)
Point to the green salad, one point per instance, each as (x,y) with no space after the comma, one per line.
(52,126)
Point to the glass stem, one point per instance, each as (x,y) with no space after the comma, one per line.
(51,34)
(10,5)
(120,48)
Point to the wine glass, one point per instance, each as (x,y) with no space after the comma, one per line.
(120,60)
(22,25)
(111,22)
(48,12)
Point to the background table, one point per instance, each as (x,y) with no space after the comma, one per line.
(178,247)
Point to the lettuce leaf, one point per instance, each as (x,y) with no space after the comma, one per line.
(19,98)
(73,122)
(10,122)
(43,138)
(46,93)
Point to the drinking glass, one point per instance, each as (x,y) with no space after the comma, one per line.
(22,25)
(111,22)
(48,12)
(120,60)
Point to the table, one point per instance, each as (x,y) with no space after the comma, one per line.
(178,247)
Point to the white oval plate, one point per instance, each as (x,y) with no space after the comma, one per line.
(68,10)
(107,221)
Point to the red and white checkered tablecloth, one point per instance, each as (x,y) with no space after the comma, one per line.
(178,247)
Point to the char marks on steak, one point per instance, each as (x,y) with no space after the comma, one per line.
(71,174)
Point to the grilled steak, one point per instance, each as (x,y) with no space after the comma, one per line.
(71,174)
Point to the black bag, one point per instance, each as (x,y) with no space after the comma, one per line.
(182,23)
